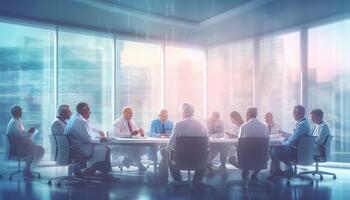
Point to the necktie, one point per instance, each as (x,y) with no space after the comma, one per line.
(129,125)
(163,128)
(269,129)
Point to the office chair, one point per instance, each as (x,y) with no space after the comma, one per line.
(305,157)
(252,154)
(54,147)
(12,154)
(65,157)
(191,153)
(325,154)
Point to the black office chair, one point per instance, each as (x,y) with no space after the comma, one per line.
(325,154)
(65,157)
(54,147)
(191,153)
(252,154)
(12,154)
(304,157)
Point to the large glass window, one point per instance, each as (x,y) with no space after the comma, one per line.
(230,78)
(27,73)
(329,79)
(184,80)
(278,78)
(139,80)
(85,73)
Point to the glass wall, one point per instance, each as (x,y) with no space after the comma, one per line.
(184,78)
(27,73)
(278,78)
(329,80)
(85,73)
(230,78)
(139,80)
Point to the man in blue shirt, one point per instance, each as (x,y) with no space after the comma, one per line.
(161,127)
(286,152)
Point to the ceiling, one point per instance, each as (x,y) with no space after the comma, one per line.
(197,22)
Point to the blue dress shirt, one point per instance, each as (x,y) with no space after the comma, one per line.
(157,128)
(302,129)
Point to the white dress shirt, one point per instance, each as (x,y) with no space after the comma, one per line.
(188,127)
(253,128)
(57,126)
(215,129)
(273,128)
(15,129)
(121,128)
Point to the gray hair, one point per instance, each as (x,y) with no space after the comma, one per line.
(14,109)
(81,106)
(252,111)
(187,109)
(62,108)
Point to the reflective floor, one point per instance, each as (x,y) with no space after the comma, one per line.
(135,185)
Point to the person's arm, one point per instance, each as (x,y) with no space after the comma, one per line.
(171,143)
(324,132)
(220,129)
(84,132)
(19,131)
(152,131)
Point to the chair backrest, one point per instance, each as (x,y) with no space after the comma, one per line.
(252,153)
(7,146)
(305,150)
(63,149)
(327,147)
(53,146)
(191,153)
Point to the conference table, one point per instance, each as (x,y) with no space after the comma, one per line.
(150,141)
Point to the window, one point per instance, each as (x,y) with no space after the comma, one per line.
(184,80)
(139,80)
(278,78)
(27,73)
(329,79)
(230,78)
(85,73)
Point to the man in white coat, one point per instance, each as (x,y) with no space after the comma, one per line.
(22,141)
(124,126)
(79,131)
(58,125)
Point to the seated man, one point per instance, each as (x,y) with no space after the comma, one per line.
(58,125)
(160,127)
(124,126)
(79,131)
(251,128)
(271,124)
(286,152)
(321,130)
(22,141)
(188,127)
(215,128)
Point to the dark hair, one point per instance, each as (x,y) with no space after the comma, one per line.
(81,106)
(317,112)
(300,109)
(235,115)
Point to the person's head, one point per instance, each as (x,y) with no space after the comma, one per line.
(127,112)
(316,116)
(186,110)
(236,118)
(64,111)
(268,118)
(215,116)
(84,109)
(163,115)
(251,112)
(298,112)
(16,111)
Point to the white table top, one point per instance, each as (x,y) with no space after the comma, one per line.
(150,140)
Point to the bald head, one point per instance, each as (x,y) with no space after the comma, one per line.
(127,112)
(163,115)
